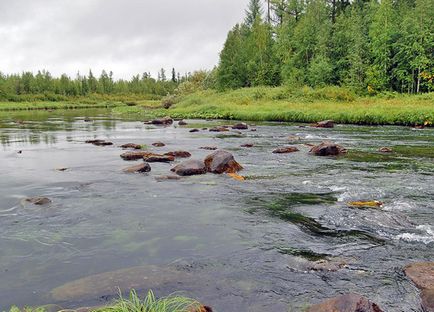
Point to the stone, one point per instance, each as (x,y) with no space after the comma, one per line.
(132,145)
(159,158)
(240,126)
(194,130)
(142,168)
(222,162)
(182,123)
(40,201)
(209,148)
(286,150)
(385,150)
(346,303)
(190,167)
(325,124)
(162,121)
(328,149)
(421,273)
(219,129)
(99,142)
(136,155)
(158,144)
(179,154)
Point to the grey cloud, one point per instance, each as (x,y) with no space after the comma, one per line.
(126,36)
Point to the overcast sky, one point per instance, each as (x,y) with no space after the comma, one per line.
(125,36)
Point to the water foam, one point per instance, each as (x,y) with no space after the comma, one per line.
(425,235)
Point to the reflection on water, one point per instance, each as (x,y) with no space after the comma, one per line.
(283,238)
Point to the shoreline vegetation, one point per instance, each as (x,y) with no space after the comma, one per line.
(305,105)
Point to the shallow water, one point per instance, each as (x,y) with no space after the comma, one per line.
(240,246)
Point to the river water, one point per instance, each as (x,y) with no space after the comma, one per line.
(264,244)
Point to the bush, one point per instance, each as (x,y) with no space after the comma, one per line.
(168,101)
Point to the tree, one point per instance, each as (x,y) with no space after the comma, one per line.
(254,10)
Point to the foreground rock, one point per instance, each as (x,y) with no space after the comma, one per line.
(179,154)
(190,167)
(328,149)
(40,201)
(222,162)
(142,168)
(137,155)
(159,158)
(132,145)
(422,275)
(99,142)
(240,126)
(325,124)
(286,150)
(346,303)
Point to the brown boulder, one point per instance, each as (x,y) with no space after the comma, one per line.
(137,155)
(286,150)
(132,145)
(222,162)
(142,168)
(325,124)
(40,201)
(158,158)
(422,275)
(190,167)
(158,144)
(179,154)
(346,303)
(328,149)
(240,126)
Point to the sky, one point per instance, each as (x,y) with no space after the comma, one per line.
(127,37)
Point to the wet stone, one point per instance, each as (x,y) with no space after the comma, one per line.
(142,168)
(132,145)
(39,201)
(222,162)
(136,155)
(159,158)
(190,167)
(158,144)
(286,150)
(328,149)
(325,124)
(240,126)
(179,154)
(194,130)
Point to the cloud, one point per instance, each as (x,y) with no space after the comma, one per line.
(126,36)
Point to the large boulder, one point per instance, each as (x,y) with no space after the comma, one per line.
(190,167)
(422,275)
(222,162)
(142,168)
(325,124)
(346,303)
(136,155)
(328,149)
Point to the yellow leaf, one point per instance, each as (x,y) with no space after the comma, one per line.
(368,204)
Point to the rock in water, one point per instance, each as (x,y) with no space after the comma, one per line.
(190,167)
(346,303)
(132,145)
(328,149)
(422,275)
(162,121)
(208,148)
(325,124)
(137,155)
(385,150)
(182,123)
(222,161)
(40,201)
(158,144)
(286,150)
(159,158)
(219,129)
(179,154)
(240,126)
(99,142)
(194,130)
(142,168)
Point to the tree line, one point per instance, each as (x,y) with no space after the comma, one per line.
(14,85)
(369,46)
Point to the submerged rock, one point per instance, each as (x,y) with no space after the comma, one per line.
(158,144)
(137,155)
(142,168)
(179,154)
(422,275)
(325,124)
(168,178)
(159,158)
(132,145)
(286,150)
(222,162)
(190,167)
(346,303)
(40,201)
(240,126)
(99,142)
(328,149)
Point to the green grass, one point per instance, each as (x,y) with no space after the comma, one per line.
(306,105)
(134,303)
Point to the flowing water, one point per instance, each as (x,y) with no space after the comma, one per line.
(280,240)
